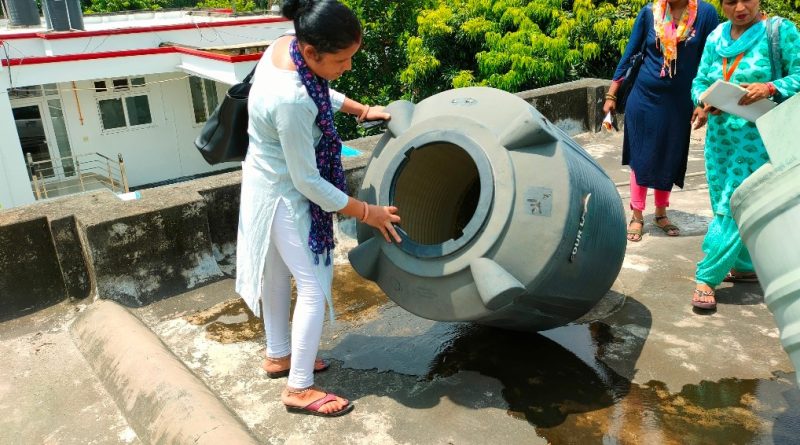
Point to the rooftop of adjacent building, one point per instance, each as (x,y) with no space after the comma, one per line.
(124,21)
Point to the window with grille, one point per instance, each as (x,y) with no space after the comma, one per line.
(204,98)
(123,102)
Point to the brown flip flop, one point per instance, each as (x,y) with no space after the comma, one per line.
(704,305)
(669,229)
(313,407)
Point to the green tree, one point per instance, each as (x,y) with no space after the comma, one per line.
(103,6)
(521,44)
(784,8)
(239,5)
(515,44)
(375,78)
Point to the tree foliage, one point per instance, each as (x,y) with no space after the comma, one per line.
(102,6)
(515,44)
(520,44)
(375,77)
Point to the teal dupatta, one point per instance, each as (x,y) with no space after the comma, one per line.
(728,47)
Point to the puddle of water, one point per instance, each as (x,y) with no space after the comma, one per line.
(555,382)
(232,321)
(543,381)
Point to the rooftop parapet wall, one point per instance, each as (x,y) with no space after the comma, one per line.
(575,107)
(177,236)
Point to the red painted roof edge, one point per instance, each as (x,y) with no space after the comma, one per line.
(131,53)
(139,30)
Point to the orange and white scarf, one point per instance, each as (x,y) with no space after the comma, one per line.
(668,35)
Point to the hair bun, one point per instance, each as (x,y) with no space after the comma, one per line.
(293,9)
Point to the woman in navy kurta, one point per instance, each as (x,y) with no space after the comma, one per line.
(658,113)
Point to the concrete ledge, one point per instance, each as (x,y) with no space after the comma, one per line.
(163,401)
(149,249)
(575,107)
(30,277)
(64,233)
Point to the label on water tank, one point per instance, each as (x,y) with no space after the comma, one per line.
(539,201)
(464,101)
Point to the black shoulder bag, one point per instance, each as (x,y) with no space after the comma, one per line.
(224,137)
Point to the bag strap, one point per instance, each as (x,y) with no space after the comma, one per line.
(774,43)
(253,71)
(250,76)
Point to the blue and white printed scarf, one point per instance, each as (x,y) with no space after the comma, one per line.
(329,155)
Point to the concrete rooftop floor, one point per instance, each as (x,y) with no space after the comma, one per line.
(641,368)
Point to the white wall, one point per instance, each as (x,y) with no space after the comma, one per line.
(177,94)
(160,151)
(15,187)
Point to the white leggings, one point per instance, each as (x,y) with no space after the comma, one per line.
(287,257)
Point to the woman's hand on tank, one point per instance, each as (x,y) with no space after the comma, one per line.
(383,218)
(375,113)
(699,118)
(755,92)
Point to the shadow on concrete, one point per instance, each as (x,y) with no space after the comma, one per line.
(741,294)
(542,380)
(690,224)
(544,376)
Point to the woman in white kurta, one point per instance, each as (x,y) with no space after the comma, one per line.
(280,181)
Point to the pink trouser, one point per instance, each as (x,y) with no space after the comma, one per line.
(639,195)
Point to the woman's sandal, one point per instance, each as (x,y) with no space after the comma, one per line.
(740,277)
(705,305)
(320,365)
(313,408)
(669,229)
(636,234)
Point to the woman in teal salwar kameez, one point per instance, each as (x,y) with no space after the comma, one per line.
(737,51)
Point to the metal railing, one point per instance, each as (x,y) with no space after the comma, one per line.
(75,174)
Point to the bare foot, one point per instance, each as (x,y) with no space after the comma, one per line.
(291,397)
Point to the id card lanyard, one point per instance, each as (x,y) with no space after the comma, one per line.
(727,73)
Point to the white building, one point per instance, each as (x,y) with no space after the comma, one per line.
(140,85)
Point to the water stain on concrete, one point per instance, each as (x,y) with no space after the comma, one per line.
(231,321)
(725,412)
(560,387)
(355,298)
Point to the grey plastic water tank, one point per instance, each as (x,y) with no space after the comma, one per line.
(506,221)
(22,12)
(766,206)
(63,15)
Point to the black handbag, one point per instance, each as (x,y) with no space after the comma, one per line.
(224,137)
(631,73)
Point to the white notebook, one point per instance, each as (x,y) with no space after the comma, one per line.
(725,96)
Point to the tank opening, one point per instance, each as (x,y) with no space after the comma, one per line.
(437,191)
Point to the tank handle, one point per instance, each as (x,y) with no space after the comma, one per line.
(496,286)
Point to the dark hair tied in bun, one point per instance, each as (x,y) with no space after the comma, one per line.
(327,25)
(292,9)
